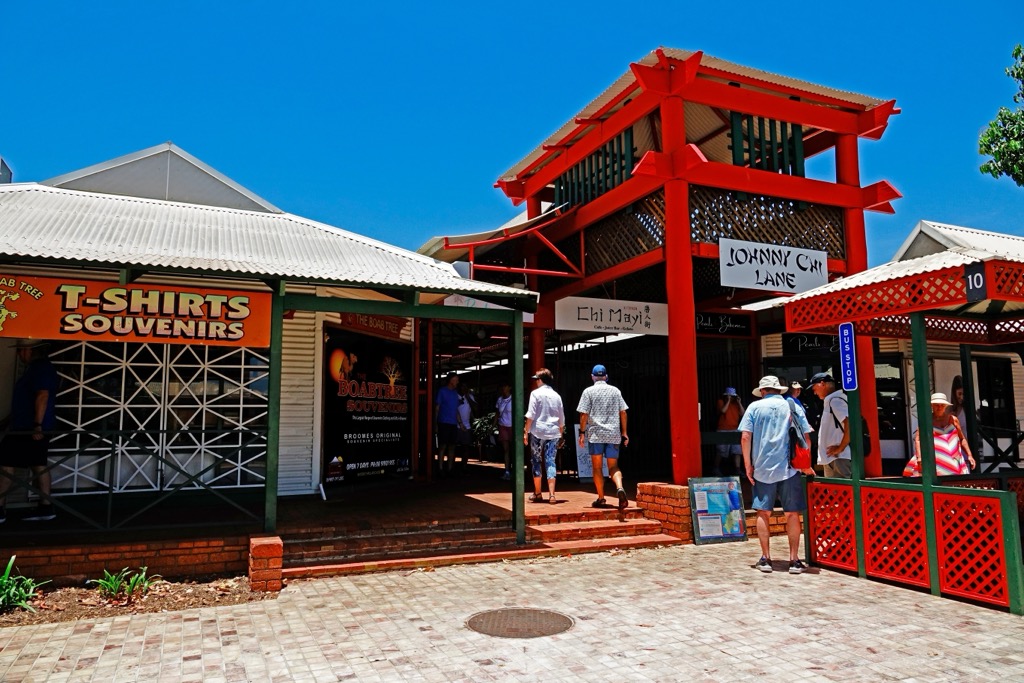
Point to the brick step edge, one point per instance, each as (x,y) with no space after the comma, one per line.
(531,551)
(310,533)
(427,543)
(388,537)
(592,529)
(535,517)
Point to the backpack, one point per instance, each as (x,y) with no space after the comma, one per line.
(863,426)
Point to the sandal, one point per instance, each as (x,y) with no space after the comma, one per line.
(536,498)
(600,503)
(551,499)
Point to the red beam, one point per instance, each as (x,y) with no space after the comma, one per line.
(632,190)
(692,166)
(663,80)
(640,106)
(582,124)
(527,271)
(628,267)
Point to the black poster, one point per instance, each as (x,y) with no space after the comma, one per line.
(810,345)
(367,407)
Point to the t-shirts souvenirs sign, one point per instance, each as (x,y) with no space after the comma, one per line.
(96,310)
(753,265)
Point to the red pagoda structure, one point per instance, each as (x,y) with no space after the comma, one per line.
(631,198)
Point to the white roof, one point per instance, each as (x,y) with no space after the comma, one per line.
(946,246)
(628,81)
(42,222)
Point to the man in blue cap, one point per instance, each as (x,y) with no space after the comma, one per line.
(603,423)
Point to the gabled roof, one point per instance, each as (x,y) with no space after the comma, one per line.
(879,300)
(628,82)
(929,237)
(163,172)
(41,222)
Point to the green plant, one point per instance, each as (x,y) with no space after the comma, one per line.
(125,584)
(485,427)
(16,591)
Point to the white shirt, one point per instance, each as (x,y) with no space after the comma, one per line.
(830,434)
(546,412)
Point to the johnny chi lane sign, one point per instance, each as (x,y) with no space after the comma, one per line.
(752,265)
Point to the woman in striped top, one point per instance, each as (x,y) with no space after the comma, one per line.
(952,451)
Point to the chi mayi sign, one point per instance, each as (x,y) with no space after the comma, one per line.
(753,265)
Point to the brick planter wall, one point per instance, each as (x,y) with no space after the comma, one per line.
(670,505)
(74,564)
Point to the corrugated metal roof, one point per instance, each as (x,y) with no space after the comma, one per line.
(628,81)
(44,222)
(961,246)
(947,236)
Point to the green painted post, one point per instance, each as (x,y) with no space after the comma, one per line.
(736,124)
(273,408)
(922,392)
(798,151)
(1011,544)
(518,420)
(785,142)
(857,448)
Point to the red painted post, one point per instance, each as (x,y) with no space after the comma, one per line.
(682,331)
(848,173)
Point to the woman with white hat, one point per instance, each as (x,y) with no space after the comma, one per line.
(952,450)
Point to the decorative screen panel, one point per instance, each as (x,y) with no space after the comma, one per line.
(148,417)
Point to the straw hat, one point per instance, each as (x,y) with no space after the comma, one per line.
(939,398)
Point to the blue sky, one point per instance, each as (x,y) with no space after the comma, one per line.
(396,122)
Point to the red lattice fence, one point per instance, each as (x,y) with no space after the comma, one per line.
(832,535)
(895,540)
(971,550)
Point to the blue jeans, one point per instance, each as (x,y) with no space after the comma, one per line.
(543,453)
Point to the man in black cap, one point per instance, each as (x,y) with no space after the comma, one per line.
(33,414)
(603,424)
(834,430)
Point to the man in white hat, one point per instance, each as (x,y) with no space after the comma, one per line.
(730,410)
(32,416)
(765,443)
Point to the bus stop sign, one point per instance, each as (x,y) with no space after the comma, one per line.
(847,357)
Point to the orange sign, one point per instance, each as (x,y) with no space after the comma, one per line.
(49,308)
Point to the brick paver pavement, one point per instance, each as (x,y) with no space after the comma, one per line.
(682,613)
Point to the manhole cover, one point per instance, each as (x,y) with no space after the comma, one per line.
(516,622)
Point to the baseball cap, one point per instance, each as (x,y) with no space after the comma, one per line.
(599,371)
(820,377)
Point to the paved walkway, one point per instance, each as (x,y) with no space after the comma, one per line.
(682,613)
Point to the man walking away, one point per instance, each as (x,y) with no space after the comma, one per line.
(603,423)
(765,443)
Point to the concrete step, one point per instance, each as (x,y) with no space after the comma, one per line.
(592,529)
(441,559)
